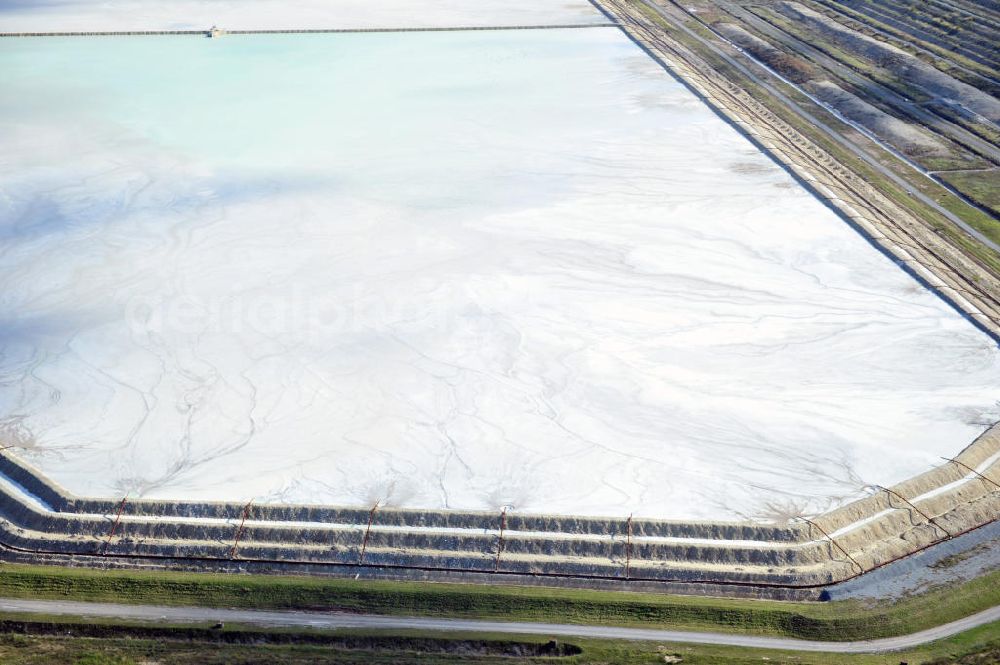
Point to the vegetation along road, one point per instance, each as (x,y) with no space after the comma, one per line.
(370,621)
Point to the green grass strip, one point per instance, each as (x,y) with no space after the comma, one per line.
(840,620)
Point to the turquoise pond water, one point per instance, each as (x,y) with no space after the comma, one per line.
(337,101)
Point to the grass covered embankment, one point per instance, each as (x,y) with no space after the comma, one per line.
(840,620)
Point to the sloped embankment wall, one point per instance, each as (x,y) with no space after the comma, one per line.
(41,521)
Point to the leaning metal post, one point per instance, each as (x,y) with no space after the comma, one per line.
(114,526)
(239,530)
(364,541)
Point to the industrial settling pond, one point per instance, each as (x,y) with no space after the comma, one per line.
(444,270)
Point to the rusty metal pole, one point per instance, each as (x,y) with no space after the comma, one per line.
(114,526)
(861,569)
(239,530)
(927,517)
(969,468)
(364,542)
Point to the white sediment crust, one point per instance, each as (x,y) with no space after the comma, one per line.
(444,270)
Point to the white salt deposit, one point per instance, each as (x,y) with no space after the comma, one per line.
(454,270)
